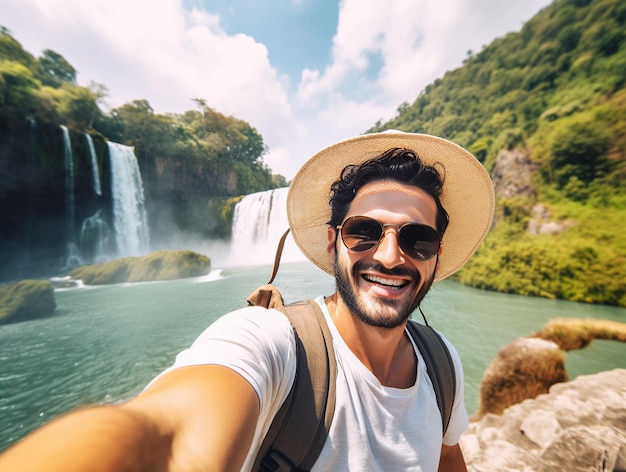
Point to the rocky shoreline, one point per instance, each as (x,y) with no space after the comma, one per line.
(579,426)
(31,299)
(26,300)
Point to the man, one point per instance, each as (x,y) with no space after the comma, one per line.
(405,211)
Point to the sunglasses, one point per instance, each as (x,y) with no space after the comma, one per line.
(362,233)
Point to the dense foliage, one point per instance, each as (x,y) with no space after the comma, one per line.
(555,90)
(44,89)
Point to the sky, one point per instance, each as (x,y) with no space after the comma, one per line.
(304,73)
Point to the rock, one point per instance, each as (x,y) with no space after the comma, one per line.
(540,427)
(26,300)
(512,174)
(541,223)
(523,369)
(571,333)
(577,426)
(160,265)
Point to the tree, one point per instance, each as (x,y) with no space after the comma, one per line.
(578,146)
(11,50)
(54,70)
(78,106)
(18,90)
(233,139)
(247,144)
(150,132)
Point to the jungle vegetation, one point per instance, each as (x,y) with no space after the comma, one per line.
(556,92)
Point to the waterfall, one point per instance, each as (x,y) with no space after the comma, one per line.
(129,214)
(69,184)
(94,165)
(72,255)
(259,220)
(94,238)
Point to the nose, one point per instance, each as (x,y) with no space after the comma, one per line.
(388,251)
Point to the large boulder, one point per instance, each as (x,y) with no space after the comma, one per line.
(160,265)
(577,426)
(523,369)
(26,300)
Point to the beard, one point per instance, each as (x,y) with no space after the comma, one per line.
(378,312)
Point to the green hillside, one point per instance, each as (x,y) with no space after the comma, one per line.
(545,110)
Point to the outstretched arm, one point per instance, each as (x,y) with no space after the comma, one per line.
(192,418)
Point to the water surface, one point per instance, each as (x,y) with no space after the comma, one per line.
(104,344)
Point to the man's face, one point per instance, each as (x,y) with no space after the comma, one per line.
(383,286)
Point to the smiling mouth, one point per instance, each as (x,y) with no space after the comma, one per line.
(385,282)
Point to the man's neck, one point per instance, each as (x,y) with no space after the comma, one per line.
(386,352)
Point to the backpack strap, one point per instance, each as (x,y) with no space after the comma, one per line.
(267,295)
(299,429)
(439,367)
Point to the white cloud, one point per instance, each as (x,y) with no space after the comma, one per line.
(416,41)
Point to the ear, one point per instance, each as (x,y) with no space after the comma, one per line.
(332,244)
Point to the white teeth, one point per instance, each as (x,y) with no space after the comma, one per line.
(382,281)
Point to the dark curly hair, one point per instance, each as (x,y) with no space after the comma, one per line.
(401,165)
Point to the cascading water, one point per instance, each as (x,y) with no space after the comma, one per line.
(94,238)
(72,256)
(94,165)
(94,232)
(259,220)
(129,213)
(69,183)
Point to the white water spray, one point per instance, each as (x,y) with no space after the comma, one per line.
(259,220)
(129,213)
(94,237)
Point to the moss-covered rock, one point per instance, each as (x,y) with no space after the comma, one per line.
(26,300)
(160,265)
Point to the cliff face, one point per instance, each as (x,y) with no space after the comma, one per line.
(512,174)
(35,202)
(579,426)
(181,195)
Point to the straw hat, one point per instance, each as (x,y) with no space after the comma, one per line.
(468,194)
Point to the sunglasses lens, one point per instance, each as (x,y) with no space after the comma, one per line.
(420,242)
(360,233)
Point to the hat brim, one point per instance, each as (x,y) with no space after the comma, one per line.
(468,194)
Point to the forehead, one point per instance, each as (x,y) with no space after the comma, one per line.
(394,202)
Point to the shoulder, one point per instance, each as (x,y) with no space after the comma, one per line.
(250,321)
(251,331)
(255,342)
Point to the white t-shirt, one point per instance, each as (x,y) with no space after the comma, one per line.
(374,428)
